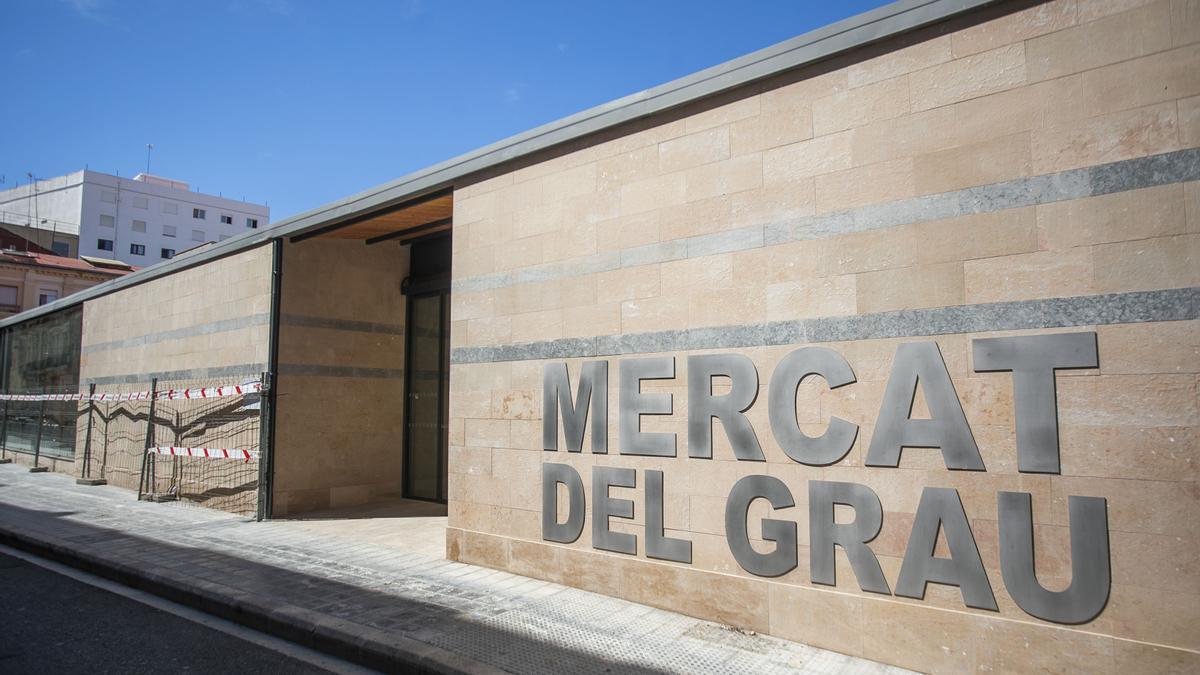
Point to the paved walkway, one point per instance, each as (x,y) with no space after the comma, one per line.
(378,605)
(405,524)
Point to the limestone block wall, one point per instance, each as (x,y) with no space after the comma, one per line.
(340,388)
(1033,173)
(202,326)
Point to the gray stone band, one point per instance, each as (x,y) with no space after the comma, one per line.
(317,370)
(341,324)
(1130,174)
(222,326)
(1177,304)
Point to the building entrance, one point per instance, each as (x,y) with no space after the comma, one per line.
(427,369)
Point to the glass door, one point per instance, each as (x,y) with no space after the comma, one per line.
(426,374)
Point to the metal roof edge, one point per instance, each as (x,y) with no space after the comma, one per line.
(885,22)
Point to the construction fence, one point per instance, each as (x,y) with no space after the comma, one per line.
(192,441)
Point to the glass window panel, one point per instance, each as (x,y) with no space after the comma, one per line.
(43,357)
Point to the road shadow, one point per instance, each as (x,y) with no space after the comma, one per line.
(310,610)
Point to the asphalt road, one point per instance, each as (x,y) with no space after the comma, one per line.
(51,623)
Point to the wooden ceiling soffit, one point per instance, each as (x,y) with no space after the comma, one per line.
(420,218)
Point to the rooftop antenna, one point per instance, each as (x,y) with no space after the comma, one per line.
(30,214)
(149,147)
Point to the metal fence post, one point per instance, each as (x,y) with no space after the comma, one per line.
(105,416)
(176,463)
(37,443)
(264,444)
(87,479)
(146,468)
(4,458)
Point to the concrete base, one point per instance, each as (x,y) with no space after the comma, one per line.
(90,481)
(160,497)
(6,460)
(38,469)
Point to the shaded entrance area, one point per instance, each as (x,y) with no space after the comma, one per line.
(360,427)
(427,369)
(411,525)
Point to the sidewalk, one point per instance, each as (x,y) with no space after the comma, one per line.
(377,605)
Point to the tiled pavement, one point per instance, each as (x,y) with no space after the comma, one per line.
(374,604)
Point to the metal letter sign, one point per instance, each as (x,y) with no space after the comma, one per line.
(1032,360)
(920,363)
(1083,600)
(783,559)
(593,393)
(552,476)
(604,507)
(824,534)
(634,404)
(703,407)
(837,440)
(658,545)
(941,509)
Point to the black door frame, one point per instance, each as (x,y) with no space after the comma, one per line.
(443,293)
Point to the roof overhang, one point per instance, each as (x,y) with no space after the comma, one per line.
(419,217)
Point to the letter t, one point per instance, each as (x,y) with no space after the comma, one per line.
(1033,360)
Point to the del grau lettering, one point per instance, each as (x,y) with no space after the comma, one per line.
(582,411)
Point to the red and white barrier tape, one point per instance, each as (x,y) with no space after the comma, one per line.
(213,392)
(214,453)
(166,394)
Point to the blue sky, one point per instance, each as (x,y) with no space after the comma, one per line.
(300,103)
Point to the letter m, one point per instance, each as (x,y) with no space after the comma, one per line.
(556,396)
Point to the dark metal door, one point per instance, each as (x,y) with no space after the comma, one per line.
(426,374)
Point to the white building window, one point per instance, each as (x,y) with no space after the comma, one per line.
(199,214)
(168,253)
(139,226)
(226,220)
(107,221)
(168,230)
(108,197)
(171,208)
(252,223)
(141,203)
(105,244)
(198,235)
(137,249)
(46,297)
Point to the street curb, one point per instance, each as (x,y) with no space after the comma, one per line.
(358,644)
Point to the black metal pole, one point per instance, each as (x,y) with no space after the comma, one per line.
(264,441)
(4,458)
(149,440)
(37,443)
(86,478)
(104,455)
(267,400)
(176,463)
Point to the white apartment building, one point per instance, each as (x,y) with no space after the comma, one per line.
(139,221)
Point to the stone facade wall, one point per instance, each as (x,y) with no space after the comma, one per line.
(204,322)
(340,389)
(1034,173)
(204,326)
